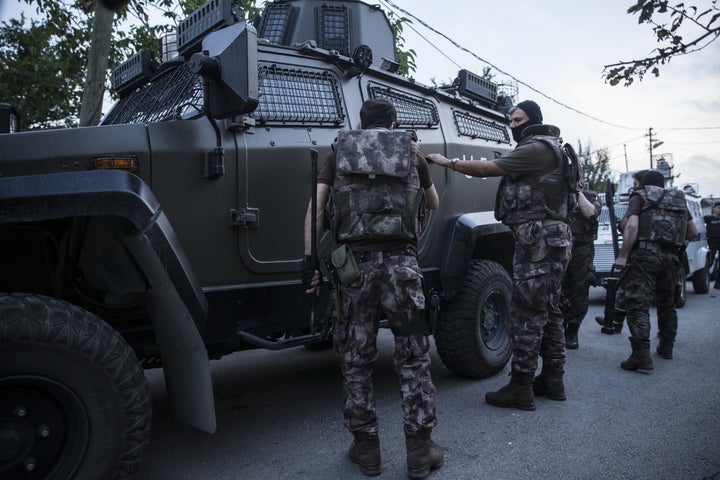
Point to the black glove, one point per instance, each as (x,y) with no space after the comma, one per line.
(308,270)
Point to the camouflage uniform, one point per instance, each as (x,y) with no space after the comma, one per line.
(580,273)
(651,277)
(536,322)
(535,204)
(654,264)
(364,215)
(389,287)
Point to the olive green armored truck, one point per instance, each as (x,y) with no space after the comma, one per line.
(172,233)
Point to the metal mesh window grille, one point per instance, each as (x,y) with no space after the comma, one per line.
(293,95)
(275,23)
(411,111)
(334,27)
(476,127)
(177,93)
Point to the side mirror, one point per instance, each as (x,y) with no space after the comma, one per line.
(229,62)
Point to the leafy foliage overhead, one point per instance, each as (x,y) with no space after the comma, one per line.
(670,23)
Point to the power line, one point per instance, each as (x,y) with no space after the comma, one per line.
(501,70)
(390,5)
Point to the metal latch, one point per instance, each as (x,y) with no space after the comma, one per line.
(245,217)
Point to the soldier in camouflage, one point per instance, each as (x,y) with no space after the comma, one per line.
(376,187)
(712,225)
(580,273)
(534,200)
(654,228)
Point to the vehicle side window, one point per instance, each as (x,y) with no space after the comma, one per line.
(298,96)
(412,111)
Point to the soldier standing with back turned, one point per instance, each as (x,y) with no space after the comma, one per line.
(580,273)
(533,200)
(376,186)
(655,227)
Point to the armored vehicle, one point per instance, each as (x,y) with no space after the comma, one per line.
(171,234)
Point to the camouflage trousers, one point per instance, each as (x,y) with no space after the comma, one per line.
(579,275)
(389,287)
(650,277)
(536,322)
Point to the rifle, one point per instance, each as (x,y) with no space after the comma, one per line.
(313,232)
(614,317)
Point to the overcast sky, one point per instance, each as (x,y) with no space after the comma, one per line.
(559,48)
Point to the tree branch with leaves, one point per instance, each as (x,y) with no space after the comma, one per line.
(670,24)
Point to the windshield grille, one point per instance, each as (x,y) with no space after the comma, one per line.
(174,94)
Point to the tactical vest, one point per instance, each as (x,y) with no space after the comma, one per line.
(376,193)
(536,197)
(584,229)
(663,218)
(713,227)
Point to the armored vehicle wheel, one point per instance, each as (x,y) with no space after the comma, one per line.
(701,279)
(471,335)
(680,298)
(74,401)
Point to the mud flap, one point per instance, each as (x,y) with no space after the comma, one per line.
(185,361)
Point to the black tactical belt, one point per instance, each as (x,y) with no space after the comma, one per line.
(361,257)
(655,247)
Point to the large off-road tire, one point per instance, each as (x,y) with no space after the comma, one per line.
(701,279)
(74,401)
(680,299)
(471,334)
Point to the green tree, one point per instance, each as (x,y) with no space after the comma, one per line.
(596,166)
(57,67)
(406,58)
(42,75)
(667,23)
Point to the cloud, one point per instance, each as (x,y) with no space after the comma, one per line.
(703,170)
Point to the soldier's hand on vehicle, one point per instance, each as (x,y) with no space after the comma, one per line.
(437,159)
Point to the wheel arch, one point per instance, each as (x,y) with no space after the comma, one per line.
(177,306)
(473,236)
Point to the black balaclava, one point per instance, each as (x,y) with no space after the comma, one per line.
(534,114)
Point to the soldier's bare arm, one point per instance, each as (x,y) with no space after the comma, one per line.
(630,232)
(691,231)
(586,207)
(475,168)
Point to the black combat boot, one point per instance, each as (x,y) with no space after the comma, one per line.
(639,359)
(571,335)
(665,350)
(516,394)
(365,452)
(422,454)
(549,384)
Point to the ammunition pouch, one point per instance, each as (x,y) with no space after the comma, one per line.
(344,265)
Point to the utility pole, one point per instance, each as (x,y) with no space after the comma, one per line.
(651,143)
(625,150)
(655,145)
